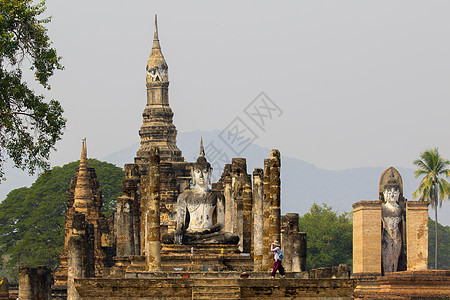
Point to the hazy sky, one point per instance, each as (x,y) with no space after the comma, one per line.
(359,83)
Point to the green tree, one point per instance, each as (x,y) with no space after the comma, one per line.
(444,245)
(433,188)
(29,126)
(329,236)
(32,219)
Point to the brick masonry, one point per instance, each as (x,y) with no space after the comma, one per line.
(367,237)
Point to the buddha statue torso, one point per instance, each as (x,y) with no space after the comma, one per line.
(392,216)
(200,211)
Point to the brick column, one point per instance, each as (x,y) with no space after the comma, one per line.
(131,189)
(267,257)
(247,207)
(153,255)
(74,266)
(25,283)
(293,244)
(417,235)
(367,237)
(125,236)
(143,213)
(238,210)
(228,204)
(258,219)
(275,197)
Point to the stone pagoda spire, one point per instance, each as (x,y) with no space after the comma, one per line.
(158,129)
(157,69)
(202,150)
(83,194)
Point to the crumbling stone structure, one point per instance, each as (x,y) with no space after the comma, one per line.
(378,223)
(35,283)
(255,225)
(84,198)
(148,208)
(293,244)
(81,253)
(158,130)
(389,235)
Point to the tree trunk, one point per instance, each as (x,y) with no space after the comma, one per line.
(436,236)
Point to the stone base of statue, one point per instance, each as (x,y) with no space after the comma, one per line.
(204,257)
(198,238)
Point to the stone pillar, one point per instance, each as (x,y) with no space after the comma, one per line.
(144,182)
(293,244)
(35,283)
(367,237)
(125,236)
(229,205)
(302,240)
(45,281)
(74,266)
(247,214)
(238,183)
(25,283)
(258,220)
(238,213)
(296,252)
(153,213)
(267,257)
(417,235)
(275,197)
(131,189)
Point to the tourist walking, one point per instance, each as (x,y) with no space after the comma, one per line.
(275,248)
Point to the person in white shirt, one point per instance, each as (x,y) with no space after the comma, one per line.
(275,249)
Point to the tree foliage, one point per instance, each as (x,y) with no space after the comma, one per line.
(32,219)
(329,236)
(433,188)
(29,126)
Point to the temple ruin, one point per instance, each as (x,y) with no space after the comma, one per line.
(175,234)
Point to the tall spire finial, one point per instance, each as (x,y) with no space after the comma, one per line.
(83,149)
(82,193)
(157,69)
(155,36)
(201,153)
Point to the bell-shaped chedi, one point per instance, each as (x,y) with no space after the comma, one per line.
(157,129)
(84,197)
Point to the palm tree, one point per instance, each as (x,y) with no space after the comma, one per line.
(432,188)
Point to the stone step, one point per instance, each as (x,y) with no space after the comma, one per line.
(216,292)
(216,282)
(200,249)
(216,288)
(215,297)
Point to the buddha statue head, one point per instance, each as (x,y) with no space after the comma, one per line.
(201,171)
(391,191)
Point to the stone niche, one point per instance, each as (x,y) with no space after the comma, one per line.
(390,236)
(373,219)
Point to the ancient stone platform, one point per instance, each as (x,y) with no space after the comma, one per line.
(214,288)
(427,284)
(205,257)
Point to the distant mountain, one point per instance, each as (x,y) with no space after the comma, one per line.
(302,183)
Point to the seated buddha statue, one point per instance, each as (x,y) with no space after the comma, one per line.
(200,211)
